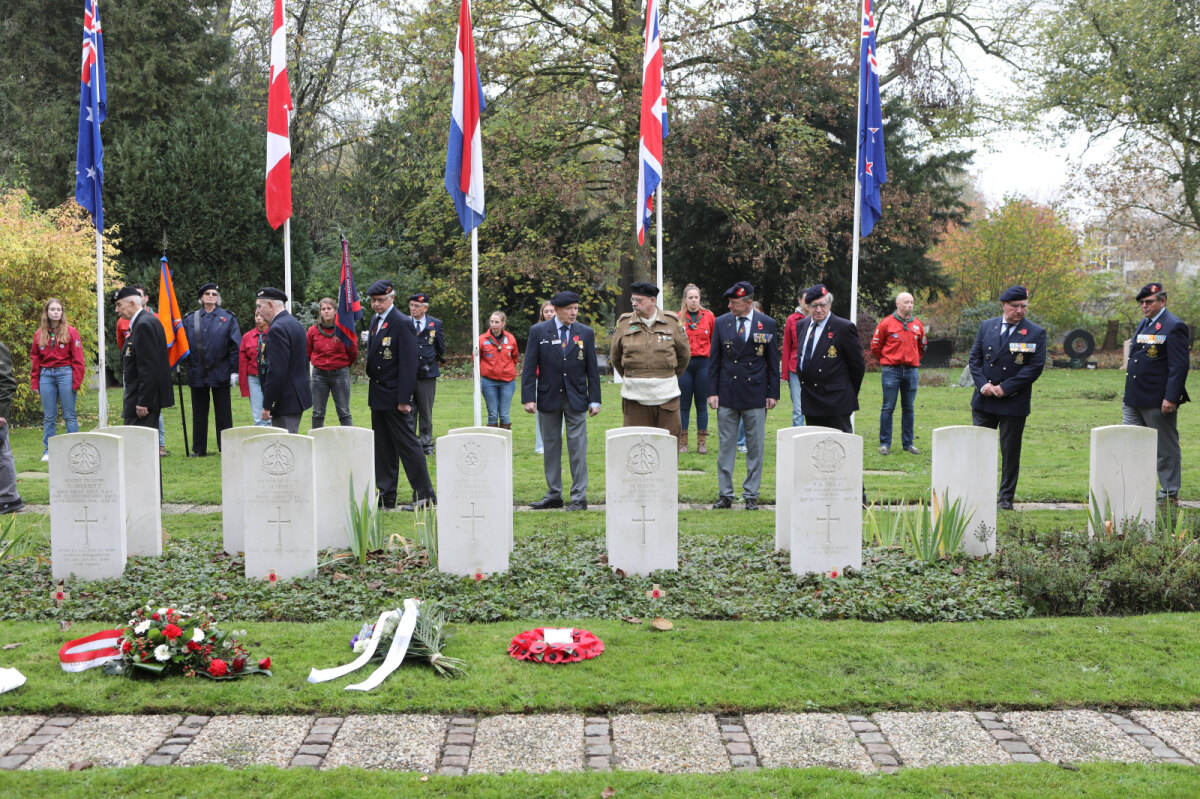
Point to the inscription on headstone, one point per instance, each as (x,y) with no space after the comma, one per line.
(280,511)
(784,458)
(143,492)
(507,435)
(474,511)
(87,506)
(826,510)
(641,499)
(233,490)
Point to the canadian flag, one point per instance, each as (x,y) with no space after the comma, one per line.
(279,145)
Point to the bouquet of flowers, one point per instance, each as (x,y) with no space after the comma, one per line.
(428,640)
(175,640)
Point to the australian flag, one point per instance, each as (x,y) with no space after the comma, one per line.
(93,108)
(872,167)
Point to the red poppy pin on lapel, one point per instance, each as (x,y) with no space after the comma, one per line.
(1158,325)
(831,334)
(1023,331)
(760,325)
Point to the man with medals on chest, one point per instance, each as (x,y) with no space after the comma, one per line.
(431,349)
(391,367)
(744,385)
(1155,381)
(1007,357)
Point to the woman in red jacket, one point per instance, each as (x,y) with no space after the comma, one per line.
(248,356)
(498,370)
(699,322)
(331,358)
(56,370)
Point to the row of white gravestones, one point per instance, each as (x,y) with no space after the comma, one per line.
(475,507)
(286,497)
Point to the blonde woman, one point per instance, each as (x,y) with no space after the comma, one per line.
(56,370)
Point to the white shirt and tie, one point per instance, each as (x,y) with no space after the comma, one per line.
(810,343)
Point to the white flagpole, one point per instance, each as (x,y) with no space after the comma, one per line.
(101,378)
(287,262)
(475,319)
(857,210)
(658,242)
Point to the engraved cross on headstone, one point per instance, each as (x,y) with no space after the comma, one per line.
(829,517)
(85,521)
(279,522)
(472,517)
(643,522)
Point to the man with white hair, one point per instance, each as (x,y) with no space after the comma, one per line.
(287,394)
(143,362)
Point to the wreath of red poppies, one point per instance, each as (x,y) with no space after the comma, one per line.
(531,645)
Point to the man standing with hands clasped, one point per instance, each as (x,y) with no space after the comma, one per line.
(287,394)
(830,361)
(1155,382)
(743,373)
(899,343)
(560,382)
(144,363)
(1007,357)
(651,351)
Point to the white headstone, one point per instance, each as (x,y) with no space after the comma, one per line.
(143,492)
(87,506)
(1123,473)
(233,490)
(826,502)
(964,469)
(474,510)
(507,435)
(784,456)
(341,455)
(641,499)
(280,512)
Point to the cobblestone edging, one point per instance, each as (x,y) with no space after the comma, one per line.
(181,738)
(738,744)
(456,749)
(598,743)
(1157,746)
(51,728)
(1010,741)
(312,752)
(882,754)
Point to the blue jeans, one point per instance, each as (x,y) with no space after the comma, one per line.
(256,402)
(794,390)
(54,384)
(498,395)
(324,383)
(693,387)
(902,379)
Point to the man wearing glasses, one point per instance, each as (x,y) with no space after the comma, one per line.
(1154,382)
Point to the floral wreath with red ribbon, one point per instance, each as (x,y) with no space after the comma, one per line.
(531,645)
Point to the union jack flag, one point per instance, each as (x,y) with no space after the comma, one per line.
(654,121)
(93,109)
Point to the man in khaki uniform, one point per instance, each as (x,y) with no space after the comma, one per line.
(650,349)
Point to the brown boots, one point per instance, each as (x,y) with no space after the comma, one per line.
(701,441)
(683,442)
(503,425)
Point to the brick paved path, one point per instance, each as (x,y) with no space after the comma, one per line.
(669,743)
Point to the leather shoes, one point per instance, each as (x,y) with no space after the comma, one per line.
(885,449)
(12,507)
(724,503)
(573,505)
(752,504)
(1005,504)
(420,503)
(911,450)
(545,503)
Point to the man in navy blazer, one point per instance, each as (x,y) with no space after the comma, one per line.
(145,367)
(1155,382)
(391,366)
(560,382)
(1007,357)
(830,361)
(286,391)
(743,374)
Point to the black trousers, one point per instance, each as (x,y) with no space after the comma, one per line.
(221,410)
(1011,429)
(422,412)
(836,422)
(395,445)
(149,420)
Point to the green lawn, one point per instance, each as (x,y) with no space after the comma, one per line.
(1066,405)
(1087,781)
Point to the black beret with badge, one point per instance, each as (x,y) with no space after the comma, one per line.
(739,289)
(1149,291)
(269,293)
(420,296)
(564,298)
(207,286)
(1014,294)
(643,288)
(380,288)
(126,291)
(815,293)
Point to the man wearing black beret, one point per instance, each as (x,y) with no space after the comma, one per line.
(1007,357)
(1155,382)
(144,365)
(391,366)
(830,362)
(743,376)
(214,339)
(431,349)
(560,382)
(650,350)
(286,390)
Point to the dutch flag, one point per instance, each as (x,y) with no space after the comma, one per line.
(464,164)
